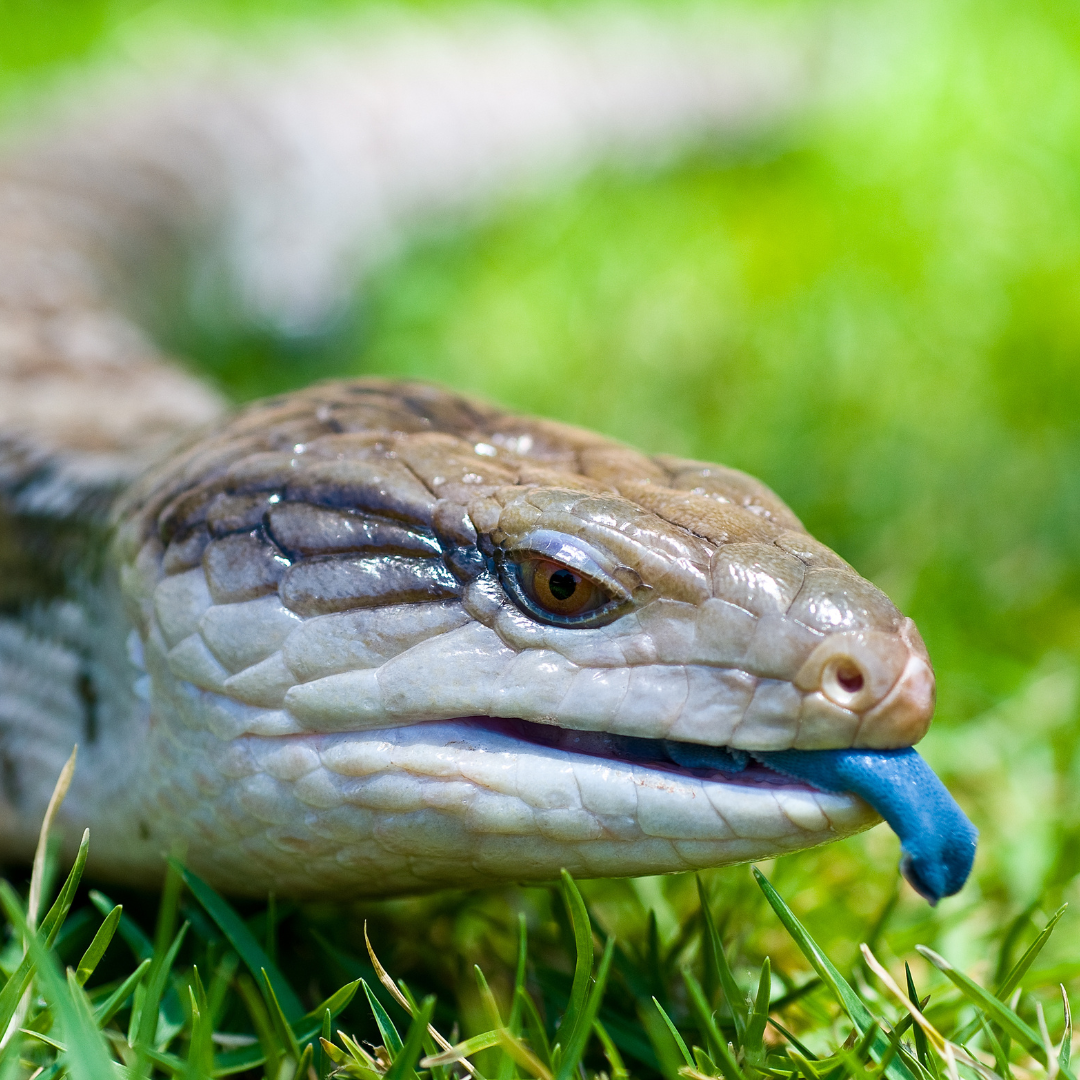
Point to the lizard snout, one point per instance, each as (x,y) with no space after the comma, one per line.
(884,677)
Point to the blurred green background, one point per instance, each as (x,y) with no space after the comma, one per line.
(874,307)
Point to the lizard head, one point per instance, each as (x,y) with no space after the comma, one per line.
(395,639)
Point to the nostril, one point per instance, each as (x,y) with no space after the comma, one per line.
(847,683)
(849,676)
(854,669)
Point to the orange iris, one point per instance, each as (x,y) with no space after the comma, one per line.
(559,590)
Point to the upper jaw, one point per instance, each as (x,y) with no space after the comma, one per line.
(710,672)
(475,670)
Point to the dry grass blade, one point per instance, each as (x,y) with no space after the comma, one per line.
(500,1036)
(950,1061)
(948,1052)
(1044,1031)
(1065,1050)
(399,997)
(936,1038)
(37,878)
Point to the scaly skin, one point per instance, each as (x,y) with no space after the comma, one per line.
(317,594)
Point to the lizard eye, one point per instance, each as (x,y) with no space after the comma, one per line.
(558,590)
(559,580)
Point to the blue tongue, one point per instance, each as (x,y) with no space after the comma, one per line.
(937,840)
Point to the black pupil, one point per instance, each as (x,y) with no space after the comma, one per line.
(562,584)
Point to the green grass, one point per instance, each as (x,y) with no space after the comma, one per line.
(877,310)
(209,994)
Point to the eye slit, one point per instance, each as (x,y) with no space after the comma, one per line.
(559,590)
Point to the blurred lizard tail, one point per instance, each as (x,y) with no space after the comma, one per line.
(275,179)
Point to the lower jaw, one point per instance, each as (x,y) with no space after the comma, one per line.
(477,801)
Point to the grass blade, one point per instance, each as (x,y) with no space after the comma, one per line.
(850,1001)
(1001,1058)
(1016,928)
(679,1041)
(200,1060)
(920,1035)
(323,1060)
(134,938)
(462,1050)
(399,997)
(407,1057)
(243,941)
(754,1038)
(307,1031)
(20,980)
(156,982)
(997,1010)
(583,958)
(115,1001)
(88,1057)
(583,1025)
(717,968)
(1020,968)
(491,1006)
(534,1027)
(619,1070)
(390,1037)
(513,1023)
(281,1026)
(829,975)
(335,1003)
(37,876)
(1065,1053)
(272,1050)
(96,949)
(804,1050)
(718,1047)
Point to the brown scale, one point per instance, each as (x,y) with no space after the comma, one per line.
(739,569)
(727,485)
(302,530)
(187,552)
(235,513)
(329,583)
(836,600)
(385,487)
(717,522)
(243,566)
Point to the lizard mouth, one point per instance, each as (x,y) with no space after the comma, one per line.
(719,763)
(937,840)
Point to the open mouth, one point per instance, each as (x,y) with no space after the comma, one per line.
(717,763)
(937,840)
